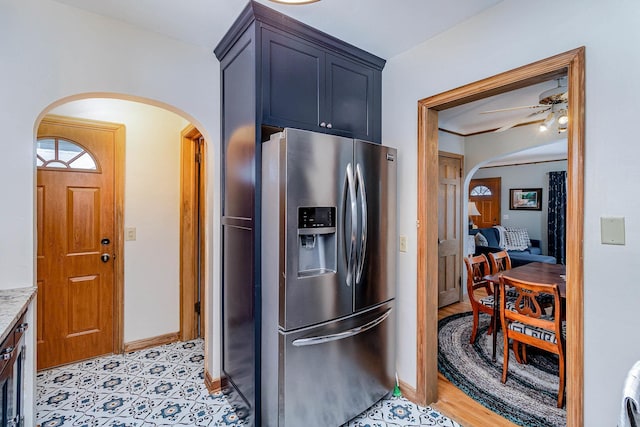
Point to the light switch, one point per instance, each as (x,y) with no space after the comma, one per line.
(403,243)
(612,230)
(130,233)
(505,216)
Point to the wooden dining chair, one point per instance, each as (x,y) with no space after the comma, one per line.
(527,324)
(500,261)
(477,269)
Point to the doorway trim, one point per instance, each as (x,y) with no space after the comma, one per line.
(192,241)
(573,64)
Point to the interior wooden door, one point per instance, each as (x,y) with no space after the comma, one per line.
(76,233)
(485,192)
(449,249)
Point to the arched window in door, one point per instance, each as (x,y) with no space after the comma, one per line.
(480,190)
(485,193)
(58,153)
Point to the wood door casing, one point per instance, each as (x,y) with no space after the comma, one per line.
(76,210)
(449,261)
(572,64)
(489,205)
(192,241)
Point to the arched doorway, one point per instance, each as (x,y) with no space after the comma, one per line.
(146,241)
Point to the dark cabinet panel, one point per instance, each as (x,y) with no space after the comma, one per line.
(239,132)
(12,369)
(350,94)
(292,81)
(238,325)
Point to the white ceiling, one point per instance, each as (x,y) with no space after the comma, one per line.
(468,119)
(382,27)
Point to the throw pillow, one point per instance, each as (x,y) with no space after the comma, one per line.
(517,239)
(481,240)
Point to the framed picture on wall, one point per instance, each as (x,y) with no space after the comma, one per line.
(529,199)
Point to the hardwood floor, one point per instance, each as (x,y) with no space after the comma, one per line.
(454,403)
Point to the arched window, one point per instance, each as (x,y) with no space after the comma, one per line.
(480,190)
(57,153)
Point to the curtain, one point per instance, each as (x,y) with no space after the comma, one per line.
(557,215)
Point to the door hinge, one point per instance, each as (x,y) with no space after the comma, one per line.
(198,157)
(196,307)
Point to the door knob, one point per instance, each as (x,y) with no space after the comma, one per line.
(323,124)
(105,257)
(329,125)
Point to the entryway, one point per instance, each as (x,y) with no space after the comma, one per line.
(144,251)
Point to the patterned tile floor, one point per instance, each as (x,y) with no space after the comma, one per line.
(164,386)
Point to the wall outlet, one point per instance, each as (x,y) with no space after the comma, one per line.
(403,243)
(505,216)
(130,233)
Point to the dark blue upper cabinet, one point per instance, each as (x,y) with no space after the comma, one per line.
(306,78)
(292,81)
(352,98)
(310,87)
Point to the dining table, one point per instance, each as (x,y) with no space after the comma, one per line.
(537,272)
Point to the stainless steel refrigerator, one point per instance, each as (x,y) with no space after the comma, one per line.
(328,278)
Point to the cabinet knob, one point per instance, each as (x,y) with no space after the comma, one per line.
(323,125)
(329,125)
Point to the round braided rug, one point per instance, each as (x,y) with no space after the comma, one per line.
(528,398)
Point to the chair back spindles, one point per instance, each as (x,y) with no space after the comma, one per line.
(500,261)
(477,268)
(528,324)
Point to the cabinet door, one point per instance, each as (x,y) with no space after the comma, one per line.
(351,99)
(292,81)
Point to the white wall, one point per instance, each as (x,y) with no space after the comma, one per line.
(49,52)
(525,176)
(151,205)
(507,36)
(451,143)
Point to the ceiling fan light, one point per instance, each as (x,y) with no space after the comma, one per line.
(548,121)
(562,127)
(563,118)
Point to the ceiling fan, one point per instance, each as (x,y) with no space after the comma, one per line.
(552,107)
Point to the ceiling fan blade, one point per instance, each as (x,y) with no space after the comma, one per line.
(522,120)
(526,107)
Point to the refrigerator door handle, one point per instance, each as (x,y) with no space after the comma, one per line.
(354,218)
(300,342)
(363,232)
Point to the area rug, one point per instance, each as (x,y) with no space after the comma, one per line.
(529,396)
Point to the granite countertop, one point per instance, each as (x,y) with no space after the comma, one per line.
(13,302)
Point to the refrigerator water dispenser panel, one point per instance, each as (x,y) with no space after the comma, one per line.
(316,241)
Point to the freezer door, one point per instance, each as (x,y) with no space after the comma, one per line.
(375,264)
(318,190)
(331,373)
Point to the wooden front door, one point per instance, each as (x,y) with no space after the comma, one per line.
(449,261)
(76,242)
(485,192)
